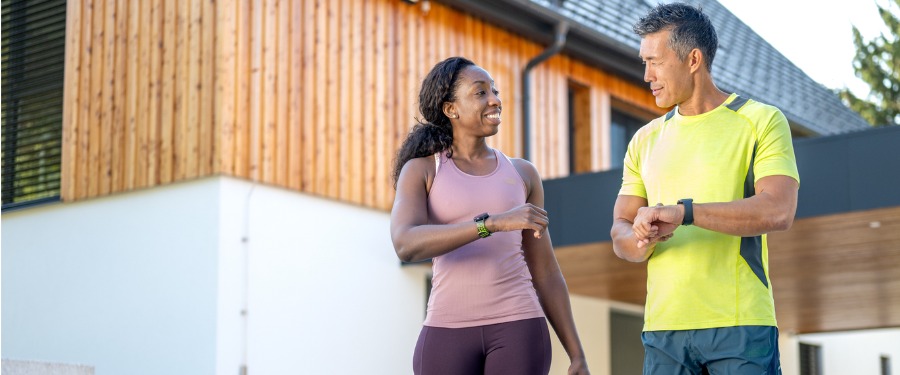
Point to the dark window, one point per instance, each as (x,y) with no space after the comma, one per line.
(33,64)
(622,127)
(885,365)
(810,359)
(627,351)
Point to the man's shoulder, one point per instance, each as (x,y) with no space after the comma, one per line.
(651,127)
(757,109)
(758,115)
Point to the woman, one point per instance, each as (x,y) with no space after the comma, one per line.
(479,216)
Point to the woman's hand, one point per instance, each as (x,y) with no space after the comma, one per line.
(526,216)
(579,367)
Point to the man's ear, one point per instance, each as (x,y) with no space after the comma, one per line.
(450,110)
(696,60)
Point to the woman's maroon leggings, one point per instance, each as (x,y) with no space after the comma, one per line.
(521,347)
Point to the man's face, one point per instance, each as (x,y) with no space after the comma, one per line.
(669,77)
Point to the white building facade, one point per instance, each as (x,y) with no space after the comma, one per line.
(222,276)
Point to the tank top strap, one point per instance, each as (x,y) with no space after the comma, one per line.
(437,162)
(507,159)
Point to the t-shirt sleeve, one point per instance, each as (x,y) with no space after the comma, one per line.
(632,182)
(775,152)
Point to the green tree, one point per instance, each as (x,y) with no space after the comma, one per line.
(877,62)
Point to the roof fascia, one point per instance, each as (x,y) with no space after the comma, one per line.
(537,22)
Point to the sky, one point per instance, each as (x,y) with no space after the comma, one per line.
(816,35)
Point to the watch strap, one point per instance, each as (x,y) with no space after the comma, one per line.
(483,232)
(688,204)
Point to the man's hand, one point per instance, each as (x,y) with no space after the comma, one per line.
(656,223)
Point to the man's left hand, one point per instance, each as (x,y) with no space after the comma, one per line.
(656,223)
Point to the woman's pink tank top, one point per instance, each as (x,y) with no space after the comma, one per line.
(485,281)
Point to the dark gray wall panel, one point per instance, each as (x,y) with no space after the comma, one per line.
(841,173)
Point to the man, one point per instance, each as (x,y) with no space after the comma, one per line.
(720,169)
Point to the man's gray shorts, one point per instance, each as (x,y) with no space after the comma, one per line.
(728,350)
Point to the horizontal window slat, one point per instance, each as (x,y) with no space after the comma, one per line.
(14,28)
(25,153)
(37,182)
(24,148)
(35,176)
(37,98)
(39,67)
(27,128)
(29,165)
(36,85)
(52,49)
(24,173)
(33,153)
(44,92)
(36,38)
(34,7)
(35,114)
(38,192)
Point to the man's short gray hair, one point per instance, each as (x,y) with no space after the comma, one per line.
(690,28)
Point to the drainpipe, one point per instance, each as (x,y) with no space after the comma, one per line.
(562,28)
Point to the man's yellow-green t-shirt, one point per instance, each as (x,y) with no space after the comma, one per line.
(699,278)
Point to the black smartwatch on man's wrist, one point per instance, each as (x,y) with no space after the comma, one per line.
(688,211)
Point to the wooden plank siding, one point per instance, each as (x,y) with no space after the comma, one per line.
(314,96)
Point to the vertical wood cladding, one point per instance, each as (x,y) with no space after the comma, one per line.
(311,95)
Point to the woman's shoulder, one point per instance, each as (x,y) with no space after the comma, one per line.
(416,171)
(525,167)
(421,164)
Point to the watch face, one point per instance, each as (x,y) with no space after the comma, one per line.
(483,216)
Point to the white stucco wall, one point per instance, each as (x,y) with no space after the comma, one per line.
(857,352)
(327,294)
(125,283)
(592,318)
(790,353)
(155,282)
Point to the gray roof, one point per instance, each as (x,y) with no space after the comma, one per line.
(745,63)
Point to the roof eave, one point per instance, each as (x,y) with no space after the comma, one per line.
(537,22)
